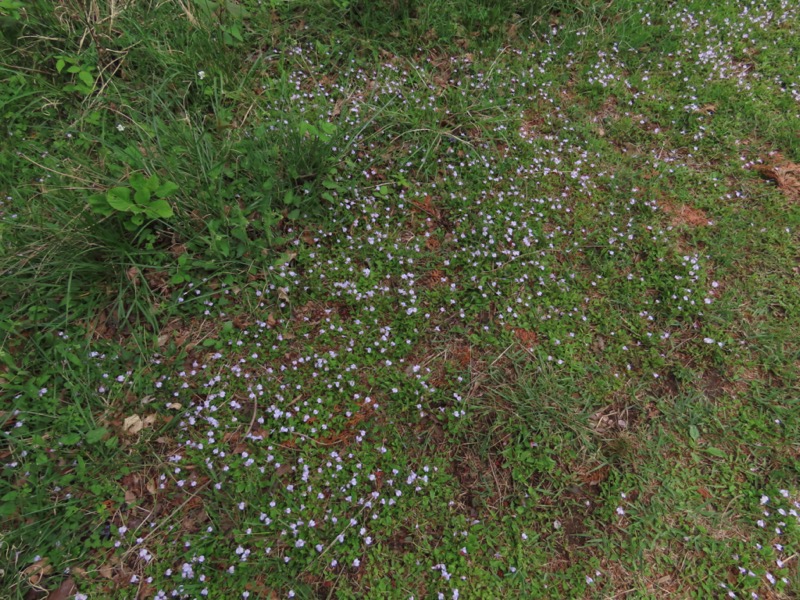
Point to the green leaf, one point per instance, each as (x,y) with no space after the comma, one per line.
(694,433)
(167,188)
(716,452)
(70,439)
(236,10)
(119,198)
(137,181)
(141,197)
(161,209)
(95,435)
(235,32)
(100,206)
(285,258)
(240,233)
(60,64)
(86,78)
(73,358)
(294,214)
(206,6)
(152,183)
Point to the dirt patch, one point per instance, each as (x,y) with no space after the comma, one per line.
(526,337)
(483,482)
(714,384)
(435,279)
(685,215)
(785,174)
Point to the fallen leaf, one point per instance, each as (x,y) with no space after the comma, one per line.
(175,405)
(35,572)
(106,571)
(283,294)
(66,590)
(150,419)
(130,498)
(133,275)
(786,176)
(307,237)
(708,109)
(132,425)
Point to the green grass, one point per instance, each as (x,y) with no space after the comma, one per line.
(458,298)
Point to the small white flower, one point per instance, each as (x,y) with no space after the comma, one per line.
(201,74)
(120,127)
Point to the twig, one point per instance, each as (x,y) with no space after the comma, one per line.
(494,362)
(30,160)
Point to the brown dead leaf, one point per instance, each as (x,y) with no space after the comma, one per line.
(65,591)
(35,572)
(133,275)
(707,109)
(308,238)
(106,571)
(596,476)
(283,294)
(130,498)
(785,174)
(132,425)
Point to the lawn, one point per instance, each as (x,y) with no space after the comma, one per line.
(399,299)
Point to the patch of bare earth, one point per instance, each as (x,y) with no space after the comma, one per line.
(685,215)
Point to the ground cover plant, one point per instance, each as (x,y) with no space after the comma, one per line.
(448,299)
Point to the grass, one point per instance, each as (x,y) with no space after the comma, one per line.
(445,299)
